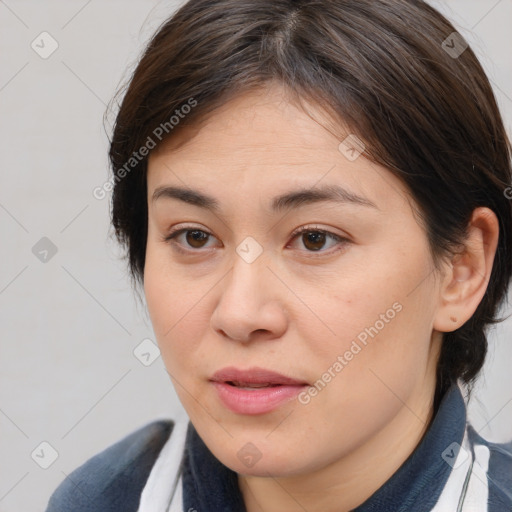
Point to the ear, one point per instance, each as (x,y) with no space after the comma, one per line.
(468,272)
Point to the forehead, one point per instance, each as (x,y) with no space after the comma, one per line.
(260,142)
(263,118)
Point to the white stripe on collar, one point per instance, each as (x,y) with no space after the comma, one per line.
(177,499)
(478,489)
(165,477)
(467,487)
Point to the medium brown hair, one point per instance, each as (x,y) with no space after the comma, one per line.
(381,68)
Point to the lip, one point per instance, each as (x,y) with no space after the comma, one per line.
(258,400)
(254,375)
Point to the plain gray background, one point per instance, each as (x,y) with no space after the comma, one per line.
(69,326)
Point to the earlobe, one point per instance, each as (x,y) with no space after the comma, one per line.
(467,274)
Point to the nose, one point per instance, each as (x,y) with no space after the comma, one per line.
(250,305)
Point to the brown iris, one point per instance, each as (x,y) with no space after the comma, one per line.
(195,238)
(314,240)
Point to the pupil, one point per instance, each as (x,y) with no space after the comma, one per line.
(196,237)
(317,238)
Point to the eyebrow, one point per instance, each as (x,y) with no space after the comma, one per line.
(289,200)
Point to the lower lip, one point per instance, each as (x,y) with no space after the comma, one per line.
(257,400)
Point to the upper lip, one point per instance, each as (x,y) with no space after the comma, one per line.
(254,375)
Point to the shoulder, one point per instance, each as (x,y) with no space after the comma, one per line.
(113,479)
(496,460)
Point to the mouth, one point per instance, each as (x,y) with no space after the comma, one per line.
(254,378)
(256,390)
(250,385)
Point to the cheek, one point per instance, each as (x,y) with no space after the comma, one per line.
(365,305)
(380,325)
(173,311)
(368,371)
(173,303)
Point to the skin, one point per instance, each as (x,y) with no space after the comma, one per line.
(294,310)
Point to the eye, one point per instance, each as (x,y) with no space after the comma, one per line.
(314,239)
(194,238)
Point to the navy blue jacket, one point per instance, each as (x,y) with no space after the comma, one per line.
(114,479)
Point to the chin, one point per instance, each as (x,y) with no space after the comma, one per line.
(264,467)
(257,456)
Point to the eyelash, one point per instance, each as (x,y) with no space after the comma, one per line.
(304,229)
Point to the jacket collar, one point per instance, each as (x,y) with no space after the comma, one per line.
(416,485)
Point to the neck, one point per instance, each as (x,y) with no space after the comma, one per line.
(348,482)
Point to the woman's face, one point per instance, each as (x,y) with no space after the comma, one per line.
(342,313)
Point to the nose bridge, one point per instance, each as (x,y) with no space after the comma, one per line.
(248,301)
(248,274)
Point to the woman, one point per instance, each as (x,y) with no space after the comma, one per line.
(315,198)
